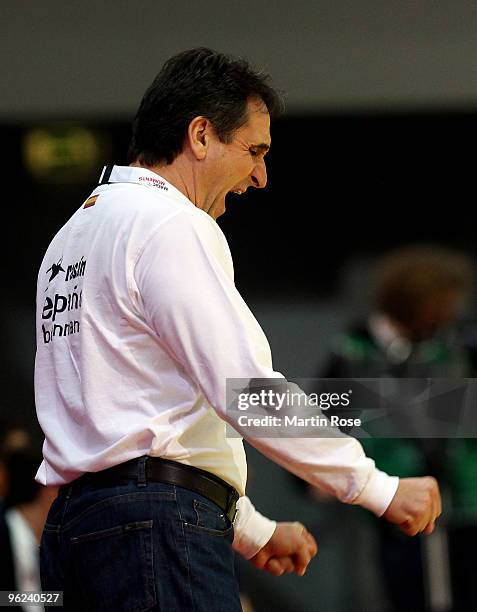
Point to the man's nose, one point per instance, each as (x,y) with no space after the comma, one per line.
(259,175)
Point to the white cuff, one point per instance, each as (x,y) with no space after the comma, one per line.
(252,530)
(378,492)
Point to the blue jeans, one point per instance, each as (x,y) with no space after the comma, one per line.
(138,546)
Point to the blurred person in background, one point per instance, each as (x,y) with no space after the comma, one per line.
(26,507)
(412,331)
(13,437)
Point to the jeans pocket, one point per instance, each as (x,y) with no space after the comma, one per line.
(113,569)
(210,519)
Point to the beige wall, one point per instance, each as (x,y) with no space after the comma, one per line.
(60,57)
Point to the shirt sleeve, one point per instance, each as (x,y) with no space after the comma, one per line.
(252,530)
(185,282)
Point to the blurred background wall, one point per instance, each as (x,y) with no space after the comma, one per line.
(377,149)
(94,58)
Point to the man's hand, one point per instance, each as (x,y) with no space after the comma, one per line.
(290,549)
(416,505)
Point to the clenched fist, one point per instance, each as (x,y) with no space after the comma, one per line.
(416,505)
(290,549)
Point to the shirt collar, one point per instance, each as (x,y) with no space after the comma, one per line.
(397,347)
(140,176)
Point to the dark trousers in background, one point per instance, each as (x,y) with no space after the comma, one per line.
(138,546)
(462,552)
(401,567)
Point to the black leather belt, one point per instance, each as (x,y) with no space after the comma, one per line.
(174,473)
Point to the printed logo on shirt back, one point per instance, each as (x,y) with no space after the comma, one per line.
(55,269)
(58,306)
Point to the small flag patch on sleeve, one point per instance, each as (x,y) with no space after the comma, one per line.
(90,201)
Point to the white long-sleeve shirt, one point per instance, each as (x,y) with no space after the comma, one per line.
(139,324)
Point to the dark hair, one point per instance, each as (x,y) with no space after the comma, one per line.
(408,276)
(198,82)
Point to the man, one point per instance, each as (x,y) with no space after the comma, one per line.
(411,332)
(136,338)
(14,441)
(27,505)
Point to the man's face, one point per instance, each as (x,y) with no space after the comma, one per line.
(437,313)
(239,164)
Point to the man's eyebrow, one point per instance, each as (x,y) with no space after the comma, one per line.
(262,146)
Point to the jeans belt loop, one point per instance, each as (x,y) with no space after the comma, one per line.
(141,471)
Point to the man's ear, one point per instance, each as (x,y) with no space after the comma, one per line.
(198,135)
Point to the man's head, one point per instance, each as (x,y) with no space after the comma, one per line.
(422,288)
(214,111)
